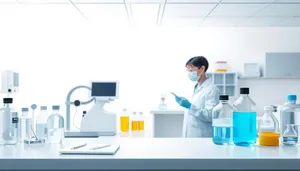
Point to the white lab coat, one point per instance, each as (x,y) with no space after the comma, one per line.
(198,119)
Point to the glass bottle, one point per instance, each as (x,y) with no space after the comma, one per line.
(287,113)
(268,128)
(41,123)
(141,122)
(134,122)
(55,124)
(222,122)
(290,136)
(244,120)
(124,121)
(25,126)
(9,123)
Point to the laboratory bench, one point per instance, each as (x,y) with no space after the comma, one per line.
(150,154)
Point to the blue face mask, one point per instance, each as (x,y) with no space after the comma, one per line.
(193,76)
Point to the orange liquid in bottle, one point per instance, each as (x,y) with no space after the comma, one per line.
(269,138)
(141,125)
(134,126)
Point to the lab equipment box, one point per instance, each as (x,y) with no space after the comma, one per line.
(282,65)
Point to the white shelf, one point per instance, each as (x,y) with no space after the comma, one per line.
(226,81)
(169,112)
(264,78)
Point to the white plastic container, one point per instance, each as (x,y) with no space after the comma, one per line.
(221,66)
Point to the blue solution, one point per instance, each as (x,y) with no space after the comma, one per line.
(244,128)
(222,135)
(290,141)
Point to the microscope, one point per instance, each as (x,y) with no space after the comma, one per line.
(97,122)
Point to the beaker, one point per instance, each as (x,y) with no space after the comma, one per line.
(290,136)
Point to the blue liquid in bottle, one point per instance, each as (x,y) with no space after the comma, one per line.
(292,141)
(222,135)
(244,128)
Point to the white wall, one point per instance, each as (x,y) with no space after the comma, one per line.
(53,56)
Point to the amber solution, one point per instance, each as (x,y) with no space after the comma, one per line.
(221,70)
(124,123)
(269,138)
(137,125)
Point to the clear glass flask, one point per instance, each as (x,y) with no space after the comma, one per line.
(55,125)
(287,114)
(222,122)
(41,123)
(244,120)
(268,127)
(290,136)
(25,126)
(124,121)
(9,123)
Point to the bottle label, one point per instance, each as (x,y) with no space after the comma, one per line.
(15,120)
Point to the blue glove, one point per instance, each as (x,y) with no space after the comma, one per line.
(183,102)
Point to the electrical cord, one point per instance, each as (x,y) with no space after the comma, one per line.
(74,119)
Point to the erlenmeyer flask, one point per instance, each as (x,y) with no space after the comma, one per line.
(290,136)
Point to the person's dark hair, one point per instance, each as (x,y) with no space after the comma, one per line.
(198,61)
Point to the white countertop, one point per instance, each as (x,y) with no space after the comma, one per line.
(150,153)
(166,112)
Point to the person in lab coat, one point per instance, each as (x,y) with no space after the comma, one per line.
(198,116)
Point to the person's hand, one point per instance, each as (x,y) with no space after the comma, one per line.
(183,102)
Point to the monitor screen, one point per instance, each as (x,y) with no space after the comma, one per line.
(104,89)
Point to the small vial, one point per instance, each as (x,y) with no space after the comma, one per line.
(134,122)
(124,121)
(25,126)
(55,125)
(290,136)
(41,123)
(141,122)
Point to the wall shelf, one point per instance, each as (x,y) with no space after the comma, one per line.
(226,82)
(265,78)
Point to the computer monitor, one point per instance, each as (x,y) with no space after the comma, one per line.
(104,90)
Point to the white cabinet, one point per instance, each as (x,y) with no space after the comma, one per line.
(227,82)
(167,124)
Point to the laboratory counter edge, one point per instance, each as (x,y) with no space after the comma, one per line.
(151,154)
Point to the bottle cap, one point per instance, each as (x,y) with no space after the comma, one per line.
(33,106)
(224,97)
(55,107)
(84,112)
(43,107)
(292,97)
(268,108)
(8,100)
(25,109)
(244,90)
